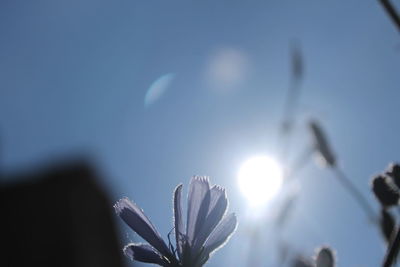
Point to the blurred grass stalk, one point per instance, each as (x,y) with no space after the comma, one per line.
(391,11)
(323,148)
(356,194)
(253,259)
(292,99)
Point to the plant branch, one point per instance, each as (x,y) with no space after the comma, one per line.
(393,250)
(391,12)
(358,197)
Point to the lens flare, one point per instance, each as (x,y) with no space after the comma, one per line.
(260,179)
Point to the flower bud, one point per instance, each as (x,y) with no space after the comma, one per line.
(394,172)
(325,257)
(385,191)
(321,144)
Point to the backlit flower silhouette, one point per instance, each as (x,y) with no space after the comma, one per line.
(207,227)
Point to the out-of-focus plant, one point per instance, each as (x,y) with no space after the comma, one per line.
(388,224)
(391,11)
(296,77)
(393,172)
(285,210)
(387,191)
(386,187)
(327,157)
(281,219)
(300,261)
(207,228)
(324,257)
(321,145)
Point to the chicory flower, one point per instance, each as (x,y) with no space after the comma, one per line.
(207,227)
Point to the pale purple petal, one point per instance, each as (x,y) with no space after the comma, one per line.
(202,214)
(198,188)
(178,222)
(138,221)
(217,192)
(218,206)
(221,234)
(201,219)
(144,253)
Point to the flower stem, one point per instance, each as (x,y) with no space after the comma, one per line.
(356,194)
(299,163)
(391,12)
(393,250)
(252,258)
(291,102)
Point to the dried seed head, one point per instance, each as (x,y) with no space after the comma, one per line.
(394,172)
(321,144)
(387,224)
(385,191)
(325,257)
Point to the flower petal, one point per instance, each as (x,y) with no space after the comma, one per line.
(218,206)
(198,188)
(138,221)
(221,234)
(144,253)
(178,223)
(202,214)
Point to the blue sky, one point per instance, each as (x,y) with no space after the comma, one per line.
(74,76)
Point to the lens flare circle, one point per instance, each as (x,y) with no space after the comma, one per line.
(260,179)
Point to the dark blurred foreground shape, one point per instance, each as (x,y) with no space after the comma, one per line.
(59,216)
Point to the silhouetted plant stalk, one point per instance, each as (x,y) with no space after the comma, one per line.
(322,147)
(281,220)
(393,172)
(356,194)
(299,163)
(388,224)
(391,11)
(292,99)
(386,188)
(253,260)
(393,251)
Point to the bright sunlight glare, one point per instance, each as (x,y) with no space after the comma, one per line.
(260,179)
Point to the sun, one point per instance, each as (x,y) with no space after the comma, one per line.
(260,178)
